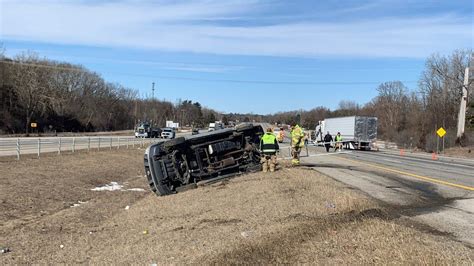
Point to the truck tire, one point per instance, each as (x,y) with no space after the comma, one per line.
(243,127)
(169,168)
(173,143)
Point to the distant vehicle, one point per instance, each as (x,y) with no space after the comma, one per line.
(172,124)
(358,132)
(168,133)
(144,130)
(195,131)
(215,126)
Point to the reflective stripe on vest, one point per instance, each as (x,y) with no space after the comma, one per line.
(268,143)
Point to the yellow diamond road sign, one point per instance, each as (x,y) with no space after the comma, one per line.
(441,132)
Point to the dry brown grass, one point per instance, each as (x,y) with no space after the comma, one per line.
(462,152)
(291,216)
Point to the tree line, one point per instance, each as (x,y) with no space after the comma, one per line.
(63,97)
(59,96)
(409,117)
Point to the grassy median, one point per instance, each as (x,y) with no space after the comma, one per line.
(293,216)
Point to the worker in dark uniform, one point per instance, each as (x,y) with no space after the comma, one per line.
(269,147)
(327,141)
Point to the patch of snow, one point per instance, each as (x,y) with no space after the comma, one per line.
(79,203)
(136,189)
(115,186)
(109,187)
(246,234)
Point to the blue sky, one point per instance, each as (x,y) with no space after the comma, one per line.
(243,56)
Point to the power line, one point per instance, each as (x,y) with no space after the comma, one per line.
(265,81)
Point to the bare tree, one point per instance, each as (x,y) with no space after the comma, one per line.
(28,88)
(390,107)
(441,88)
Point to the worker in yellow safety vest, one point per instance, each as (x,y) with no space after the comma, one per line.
(269,147)
(281,135)
(297,143)
(338,140)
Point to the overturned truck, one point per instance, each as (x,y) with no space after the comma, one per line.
(180,163)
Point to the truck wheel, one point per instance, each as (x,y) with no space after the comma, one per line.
(169,168)
(173,143)
(243,127)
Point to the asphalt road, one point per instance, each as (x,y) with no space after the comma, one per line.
(437,193)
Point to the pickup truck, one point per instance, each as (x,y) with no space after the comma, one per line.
(178,163)
(168,133)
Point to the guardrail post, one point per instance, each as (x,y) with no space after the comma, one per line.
(110,144)
(98,148)
(59,146)
(18,149)
(127,142)
(89,145)
(118,143)
(39,147)
(73,145)
(133,143)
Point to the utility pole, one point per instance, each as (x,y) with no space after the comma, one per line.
(462,109)
(153,90)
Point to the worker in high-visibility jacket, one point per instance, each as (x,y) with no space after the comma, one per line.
(338,140)
(269,147)
(297,143)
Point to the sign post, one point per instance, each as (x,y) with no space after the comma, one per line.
(34,126)
(441,132)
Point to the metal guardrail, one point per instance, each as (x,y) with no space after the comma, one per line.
(37,146)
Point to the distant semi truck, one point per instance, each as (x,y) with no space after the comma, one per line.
(145,130)
(358,132)
(215,126)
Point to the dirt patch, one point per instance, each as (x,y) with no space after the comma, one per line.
(460,152)
(33,188)
(291,216)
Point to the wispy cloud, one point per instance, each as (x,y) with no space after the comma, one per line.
(171,26)
(194,68)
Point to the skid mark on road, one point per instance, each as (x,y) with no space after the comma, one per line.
(425,178)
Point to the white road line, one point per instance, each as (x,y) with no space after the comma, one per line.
(321,154)
(392,161)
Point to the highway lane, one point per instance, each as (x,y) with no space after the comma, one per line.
(461,172)
(436,193)
(41,145)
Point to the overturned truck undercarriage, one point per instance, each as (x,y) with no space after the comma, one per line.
(182,162)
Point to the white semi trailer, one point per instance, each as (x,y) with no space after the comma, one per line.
(358,132)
